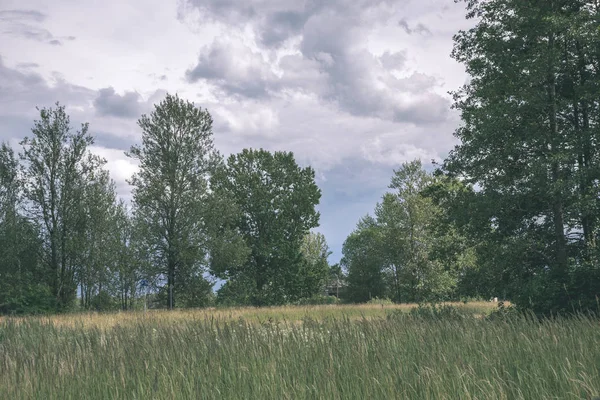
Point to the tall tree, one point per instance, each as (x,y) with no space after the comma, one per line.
(128,257)
(406,219)
(408,250)
(98,240)
(21,286)
(364,263)
(56,169)
(276,200)
(528,140)
(176,158)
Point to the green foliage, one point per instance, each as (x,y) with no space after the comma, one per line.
(103,301)
(314,268)
(504,312)
(56,171)
(318,299)
(236,292)
(527,142)
(170,191)
(276,200)
(407,252)
(21,289)
(378,301)
(363,261)
(196,291)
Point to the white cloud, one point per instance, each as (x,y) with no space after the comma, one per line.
(120,166)
(354,88)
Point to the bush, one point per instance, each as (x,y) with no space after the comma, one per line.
(103,302)
(504,312)
(383,302)
(318,300)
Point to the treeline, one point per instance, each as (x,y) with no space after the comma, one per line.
(67,242)
(513,211)
(521,191)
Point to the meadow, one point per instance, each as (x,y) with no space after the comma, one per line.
(318,352)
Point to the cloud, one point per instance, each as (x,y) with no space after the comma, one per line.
(393,60)
(249,119)
(12,15)
(120,166)
(418,29)
(329,59)
(24,23)
(280,26)
(109,103)
(342,84)
(234,68)
(22,91)
(386,150)
(28,65)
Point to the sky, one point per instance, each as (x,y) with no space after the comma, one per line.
(353,87)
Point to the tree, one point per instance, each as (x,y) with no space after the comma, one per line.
(276,202)
(336,281)
(314,269)
(405,251)
(128,257)
(406,219)
(99,240)
(176,158)
(21,289)
(529,117)
(364,263)
(56,171)
(459,238)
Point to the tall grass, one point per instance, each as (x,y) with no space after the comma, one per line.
(210,357)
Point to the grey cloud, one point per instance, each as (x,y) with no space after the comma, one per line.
(329,33)
(225,8)
(22,91)
(275,21)
(419,28)
(393,61)
(333,63)
(303,74)
(109,103)
(281,25)
(236,70)
(28,65)
(29,32)
(430,108)
(12,15)
(24,23)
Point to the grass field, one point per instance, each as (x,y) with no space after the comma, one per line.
(322,352)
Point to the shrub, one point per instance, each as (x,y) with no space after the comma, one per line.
(504,312)
(318,300)
(383,302)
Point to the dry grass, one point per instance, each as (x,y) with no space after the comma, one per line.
(251,314)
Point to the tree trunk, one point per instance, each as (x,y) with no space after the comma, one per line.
(557,195)
(171,284)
